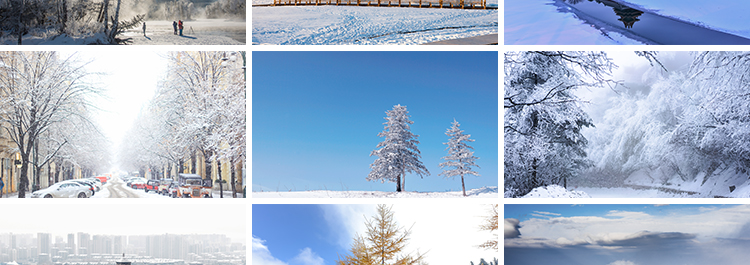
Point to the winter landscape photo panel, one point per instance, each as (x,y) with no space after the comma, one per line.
(609,22)
(626,124)
(374,22)
(626,234)
(407,233)
(85,233)
(149,22)
(122,125)
(375,124)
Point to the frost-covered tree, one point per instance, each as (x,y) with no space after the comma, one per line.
(398,153)
(37,91)
(490,224)
(483,262)
(543,117)
(460,156)
(384,243)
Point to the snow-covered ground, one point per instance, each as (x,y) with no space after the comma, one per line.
(530,22)
(367,25)
(198,32)
(484,192)
(729,16)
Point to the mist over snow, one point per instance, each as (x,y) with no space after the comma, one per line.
(664,124)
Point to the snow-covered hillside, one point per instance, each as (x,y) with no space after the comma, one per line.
(367,25)
(484,192)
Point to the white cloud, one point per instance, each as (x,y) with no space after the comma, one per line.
(261,254)
(307,257)
(511,228)
(622,262)
(348,220)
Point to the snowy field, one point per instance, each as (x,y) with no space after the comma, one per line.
(198,32)
(530,22)
(367,25)
(484,192)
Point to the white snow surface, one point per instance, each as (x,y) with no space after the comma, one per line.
(530,22)
(367,25)
(724,15)
(484,192)
(555,191)
(198,32)
(537,22)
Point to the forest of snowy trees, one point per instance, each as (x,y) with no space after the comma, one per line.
(689,124)
(46,109)
(199,110)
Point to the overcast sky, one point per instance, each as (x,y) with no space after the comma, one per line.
(320,234)
(626,234)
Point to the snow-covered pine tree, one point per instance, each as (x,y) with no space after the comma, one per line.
(543,118)
(383,243)
(460,157)
(398,153)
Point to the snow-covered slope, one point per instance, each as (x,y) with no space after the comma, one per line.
(484,192)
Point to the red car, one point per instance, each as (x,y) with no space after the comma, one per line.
(152,185)
(138,184)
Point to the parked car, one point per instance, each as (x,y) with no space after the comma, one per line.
(86,182)
(138,183)
(97,182)
(64,189)
(103,179)
(164,186)
(191,186)
(152,185)
(173,189)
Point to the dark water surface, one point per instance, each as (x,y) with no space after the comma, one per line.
(648,27)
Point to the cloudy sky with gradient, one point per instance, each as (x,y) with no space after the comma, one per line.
(626,234)
(316,115)
(307,234)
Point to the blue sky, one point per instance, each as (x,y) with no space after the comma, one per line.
(284,234)
(625,234)
(316,115)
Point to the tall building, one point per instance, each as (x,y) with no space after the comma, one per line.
(72,243)
(44,243)
(84,243)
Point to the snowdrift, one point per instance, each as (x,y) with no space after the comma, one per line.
(555,191)
(484,192)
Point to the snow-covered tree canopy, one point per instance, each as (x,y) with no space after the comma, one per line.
(693,123)
(543,116)
(398,152)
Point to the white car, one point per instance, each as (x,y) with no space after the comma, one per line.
(64,190)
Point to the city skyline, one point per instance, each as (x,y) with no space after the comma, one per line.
(134,219)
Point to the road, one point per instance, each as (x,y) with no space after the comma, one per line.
(117,189)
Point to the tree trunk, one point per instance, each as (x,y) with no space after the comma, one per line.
(218,176)
(20,32)
(192,163)
(463,187)
(398,183)
(234,188)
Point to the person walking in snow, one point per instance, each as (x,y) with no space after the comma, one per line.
(179,25)
(174,25)
(144,29)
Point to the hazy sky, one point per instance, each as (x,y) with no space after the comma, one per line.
(129,79)
(125,217)
(320,234)
(627,234)
(316,115)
